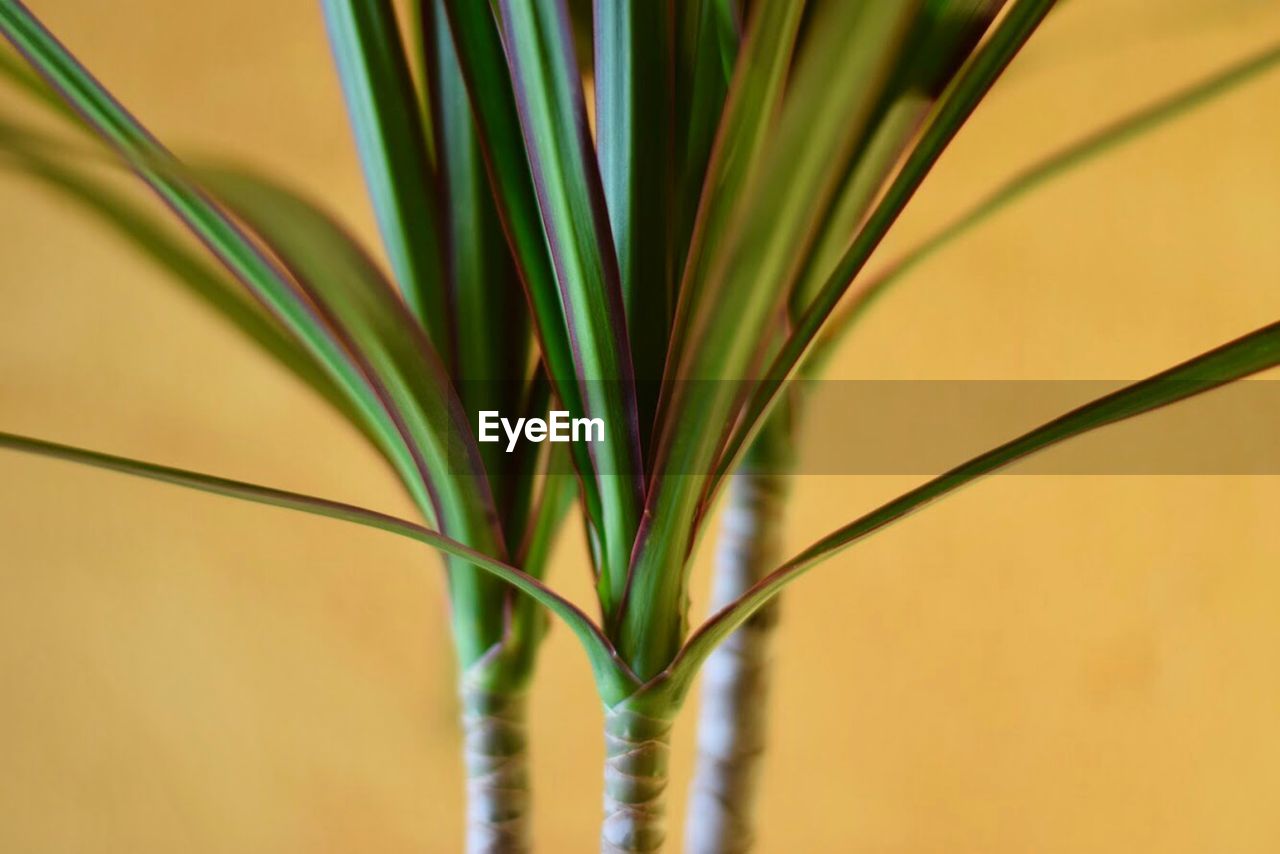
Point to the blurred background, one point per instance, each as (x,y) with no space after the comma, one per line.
(1042,663)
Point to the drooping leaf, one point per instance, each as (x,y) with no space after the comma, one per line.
(387,121)
(265,280)
(611,676)
(376,327)
(1237,359)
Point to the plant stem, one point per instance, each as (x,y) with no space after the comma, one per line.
(637,747)
(493,724)
(735,681)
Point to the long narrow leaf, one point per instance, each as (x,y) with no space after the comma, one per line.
(1248,355)
(753,104)
(972,85)
(491,330)
(378,330)
(478,46)
(943,37)
(635,143)
(574,215)
(852,51)
(609,671)
(387,122)
(1044,171)
(709,36)
(153,163)
(752,107)
(13,70)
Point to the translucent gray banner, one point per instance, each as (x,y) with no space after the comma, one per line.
(925,427)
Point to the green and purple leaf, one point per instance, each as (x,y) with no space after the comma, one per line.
(943,36)
(387,122)
(745,275)
(708,37)
(1235,360)
(393,351)
(238,253)
(635,144)
(1050,168)
(953,110)
(553,120)
(491,328)
(611,675)
(478,46)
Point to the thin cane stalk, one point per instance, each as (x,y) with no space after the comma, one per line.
(735,678)
(637,749)
(494,742)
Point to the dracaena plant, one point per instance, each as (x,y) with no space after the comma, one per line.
(666,271)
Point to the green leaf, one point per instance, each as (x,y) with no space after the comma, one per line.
(491,329)
(153,163)
(21,76)
(954,109)
(849,58)
(943,36)
(376,327)
(1248,355)
(385,116)
(709,36)
(554,501)
(553,120)
(664,538)
(484,287)
(749,115)
(635,144)
(1055,165)
(480,53)
(611,676)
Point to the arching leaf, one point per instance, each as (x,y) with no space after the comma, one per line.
(1248,355)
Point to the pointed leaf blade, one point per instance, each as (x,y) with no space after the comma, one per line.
(609,672)
(1250,354)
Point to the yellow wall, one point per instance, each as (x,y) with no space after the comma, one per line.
(1043,664)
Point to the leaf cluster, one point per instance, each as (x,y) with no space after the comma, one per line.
(654,226)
